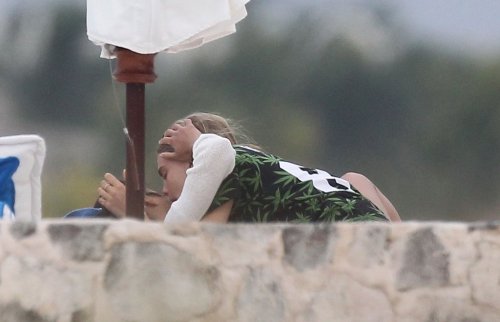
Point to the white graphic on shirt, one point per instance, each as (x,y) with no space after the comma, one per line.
(322,180)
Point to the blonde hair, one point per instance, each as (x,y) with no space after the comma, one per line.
(213,123)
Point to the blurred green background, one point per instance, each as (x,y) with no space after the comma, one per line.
(342,92)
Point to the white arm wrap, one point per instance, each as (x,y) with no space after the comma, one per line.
(213,161)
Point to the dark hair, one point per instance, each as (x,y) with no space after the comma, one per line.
(164,148)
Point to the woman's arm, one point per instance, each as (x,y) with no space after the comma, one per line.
(219,214)
(213,160)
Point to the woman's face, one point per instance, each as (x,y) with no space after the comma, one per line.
(173,173)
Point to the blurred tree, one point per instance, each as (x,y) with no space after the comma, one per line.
(424,124)
(64,84)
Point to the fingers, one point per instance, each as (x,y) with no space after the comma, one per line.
(112,193)
(104,196)
(169,133)
(104,189)
(167,155)
(104,185)
(112,196)
(186,123)
(107,185)
(177,126)
(181,137)
(173,129)
(166,140)
(112,180)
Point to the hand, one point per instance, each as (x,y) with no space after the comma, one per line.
(112,194)
(181,136)
(156,206)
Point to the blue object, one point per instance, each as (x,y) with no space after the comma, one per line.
(84,213)
(8,166)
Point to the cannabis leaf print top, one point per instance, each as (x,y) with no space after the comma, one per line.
(265,188)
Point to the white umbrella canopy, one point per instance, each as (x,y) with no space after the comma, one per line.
(134,31)
(152,26)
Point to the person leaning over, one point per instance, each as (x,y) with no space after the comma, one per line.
(207,176)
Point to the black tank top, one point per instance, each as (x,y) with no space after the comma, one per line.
(265,188)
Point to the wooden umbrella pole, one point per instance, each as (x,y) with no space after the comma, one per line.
(135,70)
(135,150)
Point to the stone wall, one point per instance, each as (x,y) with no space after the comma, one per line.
(107,271)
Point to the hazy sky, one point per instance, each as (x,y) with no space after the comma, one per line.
(469,24)
(463,22)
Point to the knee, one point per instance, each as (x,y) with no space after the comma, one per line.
(361,182)
(354,177)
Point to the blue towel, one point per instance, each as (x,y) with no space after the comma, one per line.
(8,166)
(84,213)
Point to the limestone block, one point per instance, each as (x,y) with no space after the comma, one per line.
(158,282)
(127,271)
(344,299)
(425,262)
(485,274)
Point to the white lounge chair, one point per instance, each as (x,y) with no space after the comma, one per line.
(21,163)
